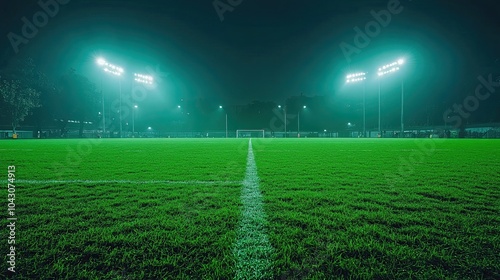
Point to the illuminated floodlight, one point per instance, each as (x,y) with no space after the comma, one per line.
(149,128)
(279,106)
(356,77)
(101,61)
(179,106)
(110,68)
(144,79)
(220,107)
(305,106)
(390,68)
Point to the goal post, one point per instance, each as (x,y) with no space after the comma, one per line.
(250,133)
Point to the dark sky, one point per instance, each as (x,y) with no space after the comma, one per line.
(265,50)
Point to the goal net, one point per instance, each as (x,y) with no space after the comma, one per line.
(250,133)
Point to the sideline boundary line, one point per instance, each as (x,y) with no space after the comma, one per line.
(189,182)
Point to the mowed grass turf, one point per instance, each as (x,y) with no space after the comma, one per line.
(133,228)
(382,208)
(169,208)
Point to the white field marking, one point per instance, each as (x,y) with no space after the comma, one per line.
(252,249)
(189,182)
(354,150)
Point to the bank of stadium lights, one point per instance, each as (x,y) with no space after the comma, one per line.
(356,77)
(110,68)
(144,79)
(117,71)
(390,68)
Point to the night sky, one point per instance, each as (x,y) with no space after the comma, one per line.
(268,50)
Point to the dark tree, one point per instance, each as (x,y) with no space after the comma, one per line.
(19,99)
(23,86)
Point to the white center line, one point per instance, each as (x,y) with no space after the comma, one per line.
(252,249)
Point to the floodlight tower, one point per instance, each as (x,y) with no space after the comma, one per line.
(222,108)
(142,79)
(116,71)
(385,70)
(357,78)
(298,120)
(101,62)
(284,111)
(133,119)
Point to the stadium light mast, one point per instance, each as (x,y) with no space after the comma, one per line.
(284,110)
(357,78)
(298,121)
(101,62)
(141,79)
(222,108)
(116,71)
(389,69)
(133,119)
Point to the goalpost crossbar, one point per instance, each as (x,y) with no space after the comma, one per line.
(262,132)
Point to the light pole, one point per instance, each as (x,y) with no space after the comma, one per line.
(379,114)
(285,120)
(141,79)
(117,71)
(220,107)
(402,106)
(120,110)
(101,63)
(389,69)
(355,78)
(103,116)
(133,120)
(298,121)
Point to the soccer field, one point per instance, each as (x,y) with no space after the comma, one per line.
(274,209)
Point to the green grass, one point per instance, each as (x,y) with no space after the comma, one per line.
(126,230)
(363,209)
(353,208)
